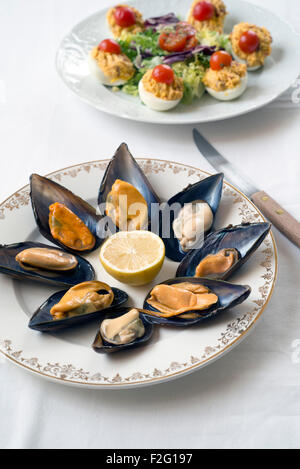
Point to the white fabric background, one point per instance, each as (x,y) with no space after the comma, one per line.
(249,398)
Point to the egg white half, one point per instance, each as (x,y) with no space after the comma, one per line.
(97,72)
(241,61)
(229,95)
(157,104)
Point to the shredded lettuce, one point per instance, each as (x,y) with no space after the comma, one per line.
(213,38)
(192,74)
(145,42)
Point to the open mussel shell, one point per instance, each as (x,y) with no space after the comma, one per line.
(123,166)
(209,190)
(229,295)
(44,192)
(8,265)
(245,239)
(101,346)
(43,321)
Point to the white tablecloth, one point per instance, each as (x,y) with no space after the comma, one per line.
(249,398)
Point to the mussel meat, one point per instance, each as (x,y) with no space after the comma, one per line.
(125,194)
(224,251)
(68,229)
(175,299)
(217,265)
(64,218)
(189,215)
(122,329)
(194,219)
(199,300)
(41,263)
(126,206)
(82,303)
(85,298)
(46,259)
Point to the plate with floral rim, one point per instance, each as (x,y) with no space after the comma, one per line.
(264,86)
(67,356)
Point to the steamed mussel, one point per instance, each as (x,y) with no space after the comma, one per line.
(224,251)
(125,194)
(189,215)
(122,329)
(79,304)
(42,263)
(64,218)
(187,301)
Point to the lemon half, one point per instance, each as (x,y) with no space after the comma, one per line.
(133,257)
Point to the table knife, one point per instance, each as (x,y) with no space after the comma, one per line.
(279,217)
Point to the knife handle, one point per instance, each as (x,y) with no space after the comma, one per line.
(285,223)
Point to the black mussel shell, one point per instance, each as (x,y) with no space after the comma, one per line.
(44,192)
(229,295)
(245,238)
(43,321)
(101,346)
(9,266)
(208,190)
(123,166)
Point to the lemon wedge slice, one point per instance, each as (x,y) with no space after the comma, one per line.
(133,257)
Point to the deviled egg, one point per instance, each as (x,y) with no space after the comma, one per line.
(160,89)
(108,64)
(251,45)
(207,15)
(123,19)
(225,79)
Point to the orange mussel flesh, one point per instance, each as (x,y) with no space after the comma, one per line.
(69,229)
(216,264)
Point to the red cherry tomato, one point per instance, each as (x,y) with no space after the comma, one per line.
(124,17)
(181,38)
(220,59)
(109,45)
(172,42)
(204,11)
(163,74)
(249,42)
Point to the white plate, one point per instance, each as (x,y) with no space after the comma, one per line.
(279,73)
(67,356)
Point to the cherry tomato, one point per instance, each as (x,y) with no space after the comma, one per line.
(181,38)
(124,17)
(109,45)
(172,42)
(220,59)
(249,42)
(204,11)
(163,74)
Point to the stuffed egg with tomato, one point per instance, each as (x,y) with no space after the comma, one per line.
(207,15)
(251,45)
(160,88)
(225,79)
(108,64)
(124,19)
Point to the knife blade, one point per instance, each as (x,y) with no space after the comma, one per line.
(280,218)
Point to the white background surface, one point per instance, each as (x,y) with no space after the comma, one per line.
(248,399)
